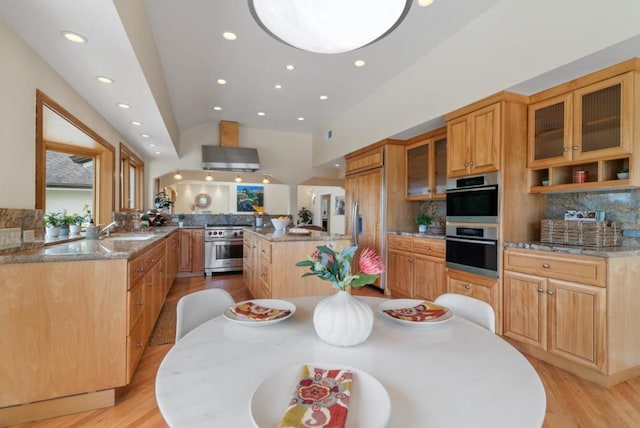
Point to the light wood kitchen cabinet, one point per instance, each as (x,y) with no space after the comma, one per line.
(191,250)
(426,166)
(373,190)
(588,124)
(474,142)
(478,286)
(250,262)
(273,261)
(574,311)
(415,267)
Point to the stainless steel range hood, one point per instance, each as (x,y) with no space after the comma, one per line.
(243,159)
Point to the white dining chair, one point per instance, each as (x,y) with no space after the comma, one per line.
(196,308)
(473,309)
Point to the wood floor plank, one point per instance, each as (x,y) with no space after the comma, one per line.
(571,401)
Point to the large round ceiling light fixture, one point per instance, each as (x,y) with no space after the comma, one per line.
(329,26)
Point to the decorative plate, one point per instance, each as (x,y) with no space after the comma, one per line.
(232,315)
(408,304)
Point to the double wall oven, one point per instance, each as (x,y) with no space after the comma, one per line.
(473,209)
(222,248)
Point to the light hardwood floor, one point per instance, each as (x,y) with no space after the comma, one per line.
(571,401)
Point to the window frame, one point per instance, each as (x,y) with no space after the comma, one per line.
(102,152)
(128,159)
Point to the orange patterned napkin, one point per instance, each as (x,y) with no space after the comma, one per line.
(320,400)
(425,311)
(259,313)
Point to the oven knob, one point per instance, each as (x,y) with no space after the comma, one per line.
(235,234)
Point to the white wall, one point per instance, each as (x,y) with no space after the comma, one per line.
(285,155)
(534,37)
(224,197)
(306,199)
(72,200)
(21,73)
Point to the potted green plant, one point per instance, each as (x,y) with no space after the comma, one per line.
(423,220)
(545,181)
(304,216)
(181,218)
(623,174)
(74,221)
(52,222)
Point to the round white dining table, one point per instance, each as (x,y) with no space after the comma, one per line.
(454,374)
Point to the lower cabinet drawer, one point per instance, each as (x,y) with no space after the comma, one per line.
(429,247)
(135,347)
(265,276)
(135,302)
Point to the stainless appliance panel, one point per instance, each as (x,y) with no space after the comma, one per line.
(472,249)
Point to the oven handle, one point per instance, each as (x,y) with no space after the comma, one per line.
(473,189)
(471,241)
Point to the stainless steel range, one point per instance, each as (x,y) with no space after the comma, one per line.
(222,248)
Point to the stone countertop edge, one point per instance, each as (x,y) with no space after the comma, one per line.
(270,235)
(572,249)
(84,249)
(417,235)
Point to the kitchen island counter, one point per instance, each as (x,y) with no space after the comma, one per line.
(269,263)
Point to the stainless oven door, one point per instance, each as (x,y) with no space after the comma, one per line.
(473,250)
(224,255)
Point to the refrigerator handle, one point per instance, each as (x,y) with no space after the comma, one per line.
(354,223)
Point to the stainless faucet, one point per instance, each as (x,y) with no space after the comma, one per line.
(107,228)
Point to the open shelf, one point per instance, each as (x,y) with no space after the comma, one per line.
(602,174)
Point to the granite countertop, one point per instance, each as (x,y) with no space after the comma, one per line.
(273,235)
(113,247)
(416,235)
(573,249)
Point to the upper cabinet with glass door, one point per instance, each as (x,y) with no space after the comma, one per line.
(589,124)
(426,166)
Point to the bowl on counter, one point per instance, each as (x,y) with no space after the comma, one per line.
(280,224)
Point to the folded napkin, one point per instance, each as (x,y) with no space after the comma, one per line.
(259,313)
(425,311)
(320,400)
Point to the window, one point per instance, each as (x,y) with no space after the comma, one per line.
(131,180)
(58,131)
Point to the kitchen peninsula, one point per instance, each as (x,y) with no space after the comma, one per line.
(76,318)
(270,256)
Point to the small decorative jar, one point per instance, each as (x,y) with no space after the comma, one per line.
(581,177)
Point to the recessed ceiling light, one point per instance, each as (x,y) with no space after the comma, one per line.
(216,108)
(105,79)
(324,97)
(359,63)
(337,164)
(136,123)
(229,35)
(144,135)
(157,152)
(301,119)
(74,37)
(261,113)
(123,105)
(278,86)
(222,82)
(425,3)
(291,67)
(153,145)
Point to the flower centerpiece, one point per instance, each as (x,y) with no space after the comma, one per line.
(341,319)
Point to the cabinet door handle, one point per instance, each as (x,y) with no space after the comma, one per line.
(550,292)
(546,265)
(540,290)
(140,303)
(471,163)
(575,147)
(467,287)
(139,345)
(466,163)
(565,149)
(262,251)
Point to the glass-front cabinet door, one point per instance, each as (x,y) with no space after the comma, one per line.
(426,168)
(603,118)
(550,132)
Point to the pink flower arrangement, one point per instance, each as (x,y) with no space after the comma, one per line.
(335,266)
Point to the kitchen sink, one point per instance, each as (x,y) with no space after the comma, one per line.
(130,237)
